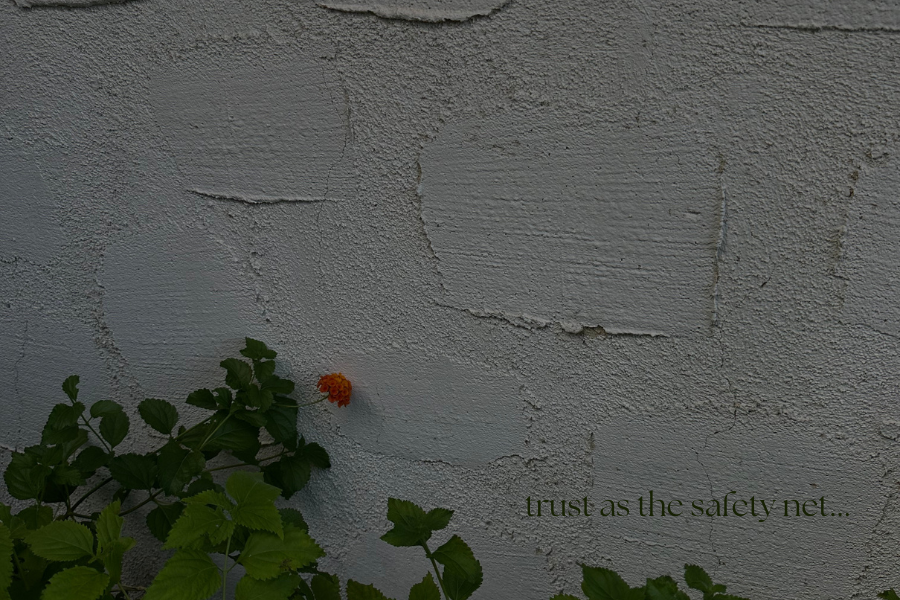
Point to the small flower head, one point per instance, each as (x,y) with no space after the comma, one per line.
(337,387)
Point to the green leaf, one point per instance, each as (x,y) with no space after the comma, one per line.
(426,589)
(161,519)
(664,588)
(315,454)
(292,516)
(438,518)
(263,369)
(89,460)
(76,583)
(224,398)
(34,517)
(189,575)
(410,524)
(133,471)
(101,408)
(234,435)
(257,350)
(61,540)
(255,502)
(254,417)
(605,584)
(276,385)
(113,556)
(889,595)
(265,555)
(25,478)
(281,423)
(358,591)
(67,475)
(62,423)
(326,587)
(178,466)
(114,428)
(158,414)
(70,387)
(195,524)
(462,572)
(261,399)
(293,474)
(109,525)
(564,597)
(238,374)
(697,579)
(212,497)
(6,560)
(273,589)
(202,398)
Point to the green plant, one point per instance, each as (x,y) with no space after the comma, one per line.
(53,550)
(599,583)
(462,573)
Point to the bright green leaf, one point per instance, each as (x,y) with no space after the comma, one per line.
(101,408)
(273,589)
(109,525)
(358,591)
(62,541)
(76,583)
(158,414)
(238,374)
(134,471)
(113,556)
(255,499)
(195,524)
(189,575)
(265,555)
(114,428)
(426,589)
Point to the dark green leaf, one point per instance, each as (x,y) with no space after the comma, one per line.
(62,423)
(276,385)
(6,559)
(604,584)
(70,387)
(281,423)
(664,588)
(114,428)
(233,435)
(257,350)
(410,524)
(76,583)
(294,473)
(265,555)
(67,476)
(89,460)
(273,589)
(358,591)
(889,595)
(133,471)
(202,398)
(462,572)
(25,478)
(238,374)
(438,518)
(162,518)
(158,414)
(102,408)
(261,399)
(61,541)
(426,589)
(697,579)
(292,516)
(34,517)
(263,369)
(255,418)
(326,587)
(316,455)
(224,398)
(178,466)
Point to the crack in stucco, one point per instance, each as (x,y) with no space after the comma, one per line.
(246,199)
(411,14)
(720,251)
(66,3)
(811,28)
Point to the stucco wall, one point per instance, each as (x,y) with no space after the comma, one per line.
(562,249)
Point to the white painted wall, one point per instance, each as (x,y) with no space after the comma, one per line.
(562,249)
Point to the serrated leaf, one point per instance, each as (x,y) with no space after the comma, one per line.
(697,579)
(234,435)
(664,588)
(34,517)
(202,398)
(462,572)
(293,474)
(292,516)
(316,455)
(213,497)
(114,428)
(358,591)
(89,460)
(70,387)
(67,475)
(62,423)
(254,417)
(62,541)
(101,408)
(265,555)
(195,524)
(263,369)
(276,385)
(161,519)
(255,500)
(6,559)
(281,423)
(238,374)
(889,595)
(410,524)
(133,471)
(178,466)
(158,414)
(259,398)
(279,588)
(426,589)
(224,398)
(605,584)
(113,556)
(256,350)
(438,518)
(189,575)
(326,587)
(76,583)
(109,525)
(25,478)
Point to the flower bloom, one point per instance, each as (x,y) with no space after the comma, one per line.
(337,387)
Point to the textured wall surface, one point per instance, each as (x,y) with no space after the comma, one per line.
(562,249)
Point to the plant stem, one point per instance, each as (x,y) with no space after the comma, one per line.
(236,465)
(94,431)
(149,499)
(436,571)
(322,399)
(89,492)
(225,569)
(213,432)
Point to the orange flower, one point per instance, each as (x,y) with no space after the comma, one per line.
(337,387)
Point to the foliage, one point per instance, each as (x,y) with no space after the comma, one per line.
(51,549)
(599,583)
